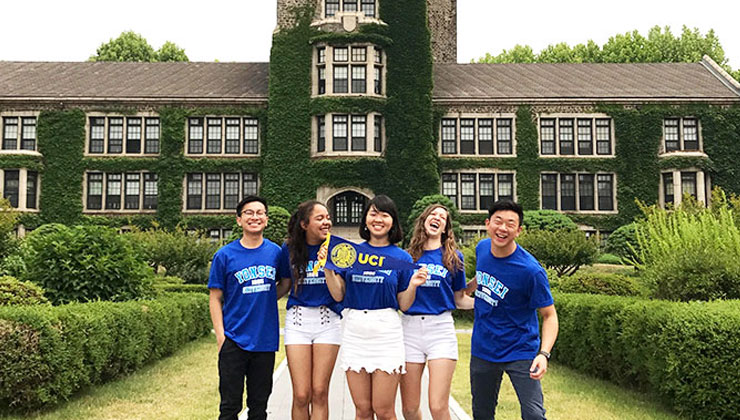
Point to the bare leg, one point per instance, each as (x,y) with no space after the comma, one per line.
(385,386)
(411,391)
(299,364)
(324,356)
(360,387)
(440,380)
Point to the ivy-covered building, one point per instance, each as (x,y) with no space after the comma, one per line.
(361,97)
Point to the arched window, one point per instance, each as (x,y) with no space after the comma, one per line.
(347,208)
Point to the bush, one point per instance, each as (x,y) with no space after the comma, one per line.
(14,292)
(610,259)
(181,288)
(690,255)
(8,221)
(182,254)
(683,353)
(623,241)
(422,203)
(547,220)
(564,251)
(48,353)
(599,284)
(277,226)
(84,263)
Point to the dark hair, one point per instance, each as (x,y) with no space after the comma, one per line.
(297,241)
(385,204)
(506,204)
(248,199)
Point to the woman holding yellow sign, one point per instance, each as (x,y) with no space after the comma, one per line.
(312,324)
(372,337)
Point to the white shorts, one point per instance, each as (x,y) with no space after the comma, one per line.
(429,337)
(372,340)
(305,325)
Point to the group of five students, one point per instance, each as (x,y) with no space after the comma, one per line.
(358,310)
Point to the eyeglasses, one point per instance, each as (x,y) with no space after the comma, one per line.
(252,213)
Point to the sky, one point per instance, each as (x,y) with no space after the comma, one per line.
(241,30)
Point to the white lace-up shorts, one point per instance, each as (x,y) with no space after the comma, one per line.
(306,325)
(429,337)
(372,339)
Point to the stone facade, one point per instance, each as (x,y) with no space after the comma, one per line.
(443,27)
(285,17)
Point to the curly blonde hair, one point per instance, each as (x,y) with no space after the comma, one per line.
(450,259)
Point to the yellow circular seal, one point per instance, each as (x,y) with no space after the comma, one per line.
(343,255)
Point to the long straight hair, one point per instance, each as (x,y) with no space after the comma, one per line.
(296,242)
(450,259)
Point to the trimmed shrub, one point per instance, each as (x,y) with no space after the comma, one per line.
(84,263)
(422,204)
(609,259)
(182,254)
(599,284)
(14,292)
(690,255)
(547,220)
(48,353)
(684,353)
(8,220)
(277,226)
(564,251)
(623,241)
(181,288)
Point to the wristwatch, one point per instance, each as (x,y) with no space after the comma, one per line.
(544,353)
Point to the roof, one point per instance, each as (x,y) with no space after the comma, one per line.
(121,81)
(607,82)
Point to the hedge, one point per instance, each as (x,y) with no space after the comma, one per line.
(48,353)
(684,353)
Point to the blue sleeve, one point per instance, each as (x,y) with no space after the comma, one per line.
(541,295)
(284,265)
(458,278)
(217,277)
(404,276)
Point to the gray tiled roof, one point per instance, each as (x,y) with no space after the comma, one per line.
(134,81)
(596,82)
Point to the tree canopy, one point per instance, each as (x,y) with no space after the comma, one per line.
(130,46)
(660,45)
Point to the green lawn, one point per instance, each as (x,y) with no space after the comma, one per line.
(568,395)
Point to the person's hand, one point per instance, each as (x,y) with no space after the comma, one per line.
(420,277)
(538,368)
(323,250)
(220,340)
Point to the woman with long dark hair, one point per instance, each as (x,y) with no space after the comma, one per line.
(428,327)
(312,322)
(372,335)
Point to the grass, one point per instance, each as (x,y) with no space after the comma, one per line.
(182,386)
(568,395)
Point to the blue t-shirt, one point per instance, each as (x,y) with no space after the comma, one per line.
(247,278)
(376,289)
(509,292)
(312,292)
(438,293)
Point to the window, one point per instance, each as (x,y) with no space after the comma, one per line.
(123,135)
(31,189)
(151,191)
(688,184)
(15,127)
(240,136)
(575,136)
(350,68)
(359,128)
(220,192)
(681,135)
(130,191)
(340,133)
(501,136)
(367,7)
(133,190)
(378,134)
(477,190)
(321,135)
(94,191)
(675,184)
(11,187)
(577,192)
(348,208)
(113,192)
(668,194)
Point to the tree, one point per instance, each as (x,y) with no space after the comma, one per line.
(130,46)
(660,45)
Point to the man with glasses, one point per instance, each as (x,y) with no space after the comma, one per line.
(243,305)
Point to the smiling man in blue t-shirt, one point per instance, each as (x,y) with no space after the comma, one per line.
(243,304)
(511,287)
